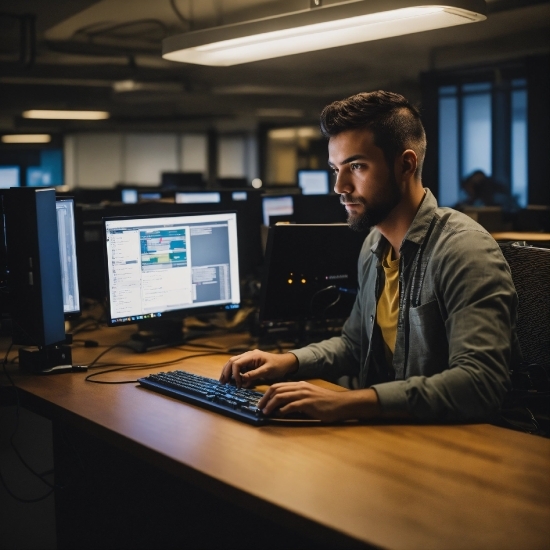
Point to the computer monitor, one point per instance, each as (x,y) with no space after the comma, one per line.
(314,182)
(167,266)
(49,172)
(310,273)
(9,176)
(197,197)
(129,196)
(66,235)
(319,209)
(173,180)
(232,183)
(277,208)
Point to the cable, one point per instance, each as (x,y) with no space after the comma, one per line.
(146,366)
(319,292)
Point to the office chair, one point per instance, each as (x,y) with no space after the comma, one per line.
(528,404)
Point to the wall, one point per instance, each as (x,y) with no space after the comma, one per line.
(103,160)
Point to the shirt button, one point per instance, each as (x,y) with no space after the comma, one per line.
(372,318)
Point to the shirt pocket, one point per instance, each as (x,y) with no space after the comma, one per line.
(428,346)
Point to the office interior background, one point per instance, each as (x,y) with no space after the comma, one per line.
(482,90)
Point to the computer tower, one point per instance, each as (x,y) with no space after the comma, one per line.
(34,271)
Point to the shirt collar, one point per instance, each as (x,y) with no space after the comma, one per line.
(418,228)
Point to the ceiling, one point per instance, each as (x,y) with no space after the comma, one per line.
(106,55)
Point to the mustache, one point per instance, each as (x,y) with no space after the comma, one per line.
(349,199)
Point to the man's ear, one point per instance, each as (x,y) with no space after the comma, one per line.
(408,163)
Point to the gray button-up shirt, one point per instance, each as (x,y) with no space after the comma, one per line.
(456,337)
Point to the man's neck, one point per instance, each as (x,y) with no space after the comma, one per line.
(396,225)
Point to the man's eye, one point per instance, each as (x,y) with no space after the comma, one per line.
(355,166)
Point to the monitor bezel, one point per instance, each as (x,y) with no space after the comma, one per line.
(176,313)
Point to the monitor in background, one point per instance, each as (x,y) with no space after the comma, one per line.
(163,267)
(129,196)
(232,183)
(95,195)
(149,195)
(197,197)
(50,170)
(9,176)
(277,208)
(310,274)
(66,236)
(175,180)
(314,182)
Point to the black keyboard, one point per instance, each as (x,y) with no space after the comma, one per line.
(206,392)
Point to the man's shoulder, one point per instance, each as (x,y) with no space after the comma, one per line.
(460,228)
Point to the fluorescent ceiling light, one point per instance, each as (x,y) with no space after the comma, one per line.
(316,29)
(66,115)
(26,138)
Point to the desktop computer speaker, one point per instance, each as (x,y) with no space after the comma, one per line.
(34,271)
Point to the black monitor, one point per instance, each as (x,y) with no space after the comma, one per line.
(232,183)
(175,180)
(66,235)
(319,209)
(310,273)
(314,182)
(166,266)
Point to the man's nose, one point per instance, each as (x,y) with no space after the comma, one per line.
(342,186)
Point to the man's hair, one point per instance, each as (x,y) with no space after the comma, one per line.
(394,122)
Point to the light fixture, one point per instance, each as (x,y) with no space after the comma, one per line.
(66,115)
(318,28)
(26,138)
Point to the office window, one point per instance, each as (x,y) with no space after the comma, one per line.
(519,142)
(483,126)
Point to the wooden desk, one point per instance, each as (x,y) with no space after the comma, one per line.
(529,237)
(388,486)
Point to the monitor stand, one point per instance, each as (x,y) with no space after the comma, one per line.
(157,334)
(46,360)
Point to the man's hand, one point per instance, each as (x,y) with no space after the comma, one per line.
(320,403)
(251,367)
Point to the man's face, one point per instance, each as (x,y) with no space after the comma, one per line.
(367,187)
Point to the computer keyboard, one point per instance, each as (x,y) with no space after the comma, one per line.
(239,403)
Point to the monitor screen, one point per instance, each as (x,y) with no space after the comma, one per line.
(67,254)
(199,197)
(50,171)
(9,177)
(170,264)
(314,182)
(129,196)
(277,207)
(239,195)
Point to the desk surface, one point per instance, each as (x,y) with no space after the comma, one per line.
(521,236)
(392,486)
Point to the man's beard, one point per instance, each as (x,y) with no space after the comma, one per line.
(376,213)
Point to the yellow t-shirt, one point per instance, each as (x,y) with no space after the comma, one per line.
(388,305)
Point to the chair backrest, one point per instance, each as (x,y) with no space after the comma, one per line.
(530,267)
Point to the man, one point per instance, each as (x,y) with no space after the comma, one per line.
(432,333)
